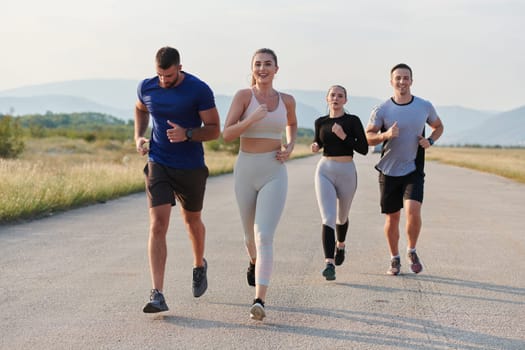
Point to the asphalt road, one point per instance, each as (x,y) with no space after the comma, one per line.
(78,280)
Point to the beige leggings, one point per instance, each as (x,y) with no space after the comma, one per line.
(335,186)
(261,183)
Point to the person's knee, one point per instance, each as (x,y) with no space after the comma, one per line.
(393,219)
(191,217)
(159,228)
(413,209)
(195,227)
(263,239)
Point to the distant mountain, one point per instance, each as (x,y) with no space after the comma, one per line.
(116,93)
(458,119)
(117,97)
(40,104)
(504,129)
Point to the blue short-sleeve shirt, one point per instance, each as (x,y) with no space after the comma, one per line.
(181,105)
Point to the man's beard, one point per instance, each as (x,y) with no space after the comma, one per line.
(171,84)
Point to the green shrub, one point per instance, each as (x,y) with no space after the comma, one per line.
(11,137)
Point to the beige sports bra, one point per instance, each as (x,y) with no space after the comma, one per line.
(271,126)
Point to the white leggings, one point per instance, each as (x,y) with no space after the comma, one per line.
(335,186)
(261,183)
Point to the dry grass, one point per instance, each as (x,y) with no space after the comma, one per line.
(509,163)
(56,174)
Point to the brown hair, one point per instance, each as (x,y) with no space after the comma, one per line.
(337,86)
(167,57)
(264,50)
(401,66)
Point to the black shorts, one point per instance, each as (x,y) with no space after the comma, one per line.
(396,189)
(164,184)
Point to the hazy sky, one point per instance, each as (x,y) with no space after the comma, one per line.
(462,52)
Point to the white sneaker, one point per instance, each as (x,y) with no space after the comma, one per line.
(257,311)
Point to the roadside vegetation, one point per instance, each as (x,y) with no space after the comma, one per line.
(54,162)
(60,161)
(506,162)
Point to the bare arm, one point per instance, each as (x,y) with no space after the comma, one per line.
(291,127)
(211,128)
(437,131)
(209,131)
(141,125)
(374,137)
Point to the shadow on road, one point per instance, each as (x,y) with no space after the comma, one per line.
(462,339)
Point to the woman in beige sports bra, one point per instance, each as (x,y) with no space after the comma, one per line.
(260,115)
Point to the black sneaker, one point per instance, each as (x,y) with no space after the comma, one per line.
(257,310)
(156,303)
(250,274)
(395,267)
(339,256)
(329,272)
(415,265)
(200,281)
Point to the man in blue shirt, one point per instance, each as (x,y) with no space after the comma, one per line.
(183,113)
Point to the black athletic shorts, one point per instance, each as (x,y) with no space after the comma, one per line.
(164,184)
(396,189)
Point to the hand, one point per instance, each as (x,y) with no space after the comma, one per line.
(260,113)
(423,142)
(315,147)
(177,133)
(393,131)
(142,145)
(284,154)
(338,130)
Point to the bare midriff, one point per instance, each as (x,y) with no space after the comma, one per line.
(258,145)
(342,159)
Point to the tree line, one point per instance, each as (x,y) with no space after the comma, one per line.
(89,126)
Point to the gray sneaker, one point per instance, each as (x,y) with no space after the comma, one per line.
(415,264)
(200,281)
(395,267)
(156,303)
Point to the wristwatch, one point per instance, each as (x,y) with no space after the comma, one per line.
(189,134)
(431,141)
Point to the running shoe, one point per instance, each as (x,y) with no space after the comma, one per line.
(329,272)
(250,274)
(156,303)
(395,267)
(415,264)
(257,310)
(200,281)
(339,256)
